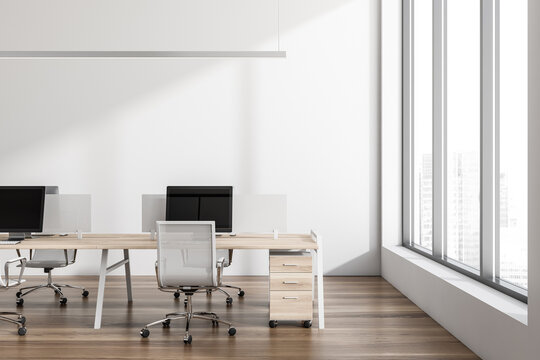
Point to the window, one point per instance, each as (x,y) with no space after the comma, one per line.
(465,137)
(423,115)
(463,132)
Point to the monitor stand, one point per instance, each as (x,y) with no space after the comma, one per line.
(16,236)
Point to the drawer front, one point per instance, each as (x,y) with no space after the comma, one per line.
(290,281)
(292,264)
(291,305)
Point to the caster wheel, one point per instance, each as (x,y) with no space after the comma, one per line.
(20,302)
(85,293)
(229,300)
(188,339)
(22,320)
(63,301)
(145,333)
(21,331)
(215,323)
(272,323)
(307,324)
(185,302)
(232,331)
(18,294)
(208,292)
(176,295)
(241,293)
(166,323)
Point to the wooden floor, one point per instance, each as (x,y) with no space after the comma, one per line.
(366,318)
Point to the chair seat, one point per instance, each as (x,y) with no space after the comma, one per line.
(43,264)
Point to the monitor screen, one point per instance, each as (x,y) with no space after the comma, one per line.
(21,208)
(201,203)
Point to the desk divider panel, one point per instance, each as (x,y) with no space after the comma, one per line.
(67,213)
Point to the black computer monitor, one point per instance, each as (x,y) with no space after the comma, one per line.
(21,210)
(201,203)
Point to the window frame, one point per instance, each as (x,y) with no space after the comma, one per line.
(489,144)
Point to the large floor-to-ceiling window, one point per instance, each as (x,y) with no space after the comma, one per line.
(465,137)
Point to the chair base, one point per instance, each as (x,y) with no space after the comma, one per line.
(57,288)
(188,315)
(20,320)
(228,299)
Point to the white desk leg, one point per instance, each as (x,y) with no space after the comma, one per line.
(128,275)
(320,286)
(101,288)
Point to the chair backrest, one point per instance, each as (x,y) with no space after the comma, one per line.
(53,255)
(186,253)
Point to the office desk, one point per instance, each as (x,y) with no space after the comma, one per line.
(126,242)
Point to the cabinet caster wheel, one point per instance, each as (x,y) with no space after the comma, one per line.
(185,302)
(145,333)
(63,301)
(229,300)
(272,323)
(176,295)
(20,302)
(166,323)
(307,324)
(18,294)
(241,293)
(232,331)
(85,293)
(21,331)
(215,323)
(208,292)
(22,320)
(188,339)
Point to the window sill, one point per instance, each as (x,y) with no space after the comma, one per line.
(491,297)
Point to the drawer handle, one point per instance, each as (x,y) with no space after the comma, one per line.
(290,282)
(290,297)
(290,265)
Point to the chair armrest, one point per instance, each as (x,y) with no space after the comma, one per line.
(22,260)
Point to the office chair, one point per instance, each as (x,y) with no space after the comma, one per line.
(49,260)
(225,257)
(186,263)
(7,316)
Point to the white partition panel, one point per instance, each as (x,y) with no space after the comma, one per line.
(259,213)
(67,213)
(153,209)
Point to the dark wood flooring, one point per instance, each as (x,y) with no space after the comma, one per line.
(366,318)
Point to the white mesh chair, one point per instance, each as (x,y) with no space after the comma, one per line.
(224,256)
(187,263)
(49,260)
(8,316)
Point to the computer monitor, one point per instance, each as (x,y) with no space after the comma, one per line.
(201,203)
(21,210)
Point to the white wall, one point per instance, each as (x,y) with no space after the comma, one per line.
(489,332)
(305,126)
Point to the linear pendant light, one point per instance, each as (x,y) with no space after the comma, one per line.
(141,54)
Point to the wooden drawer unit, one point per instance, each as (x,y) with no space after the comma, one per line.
(290,263)
(291,286)
(291,281)
(291,305)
